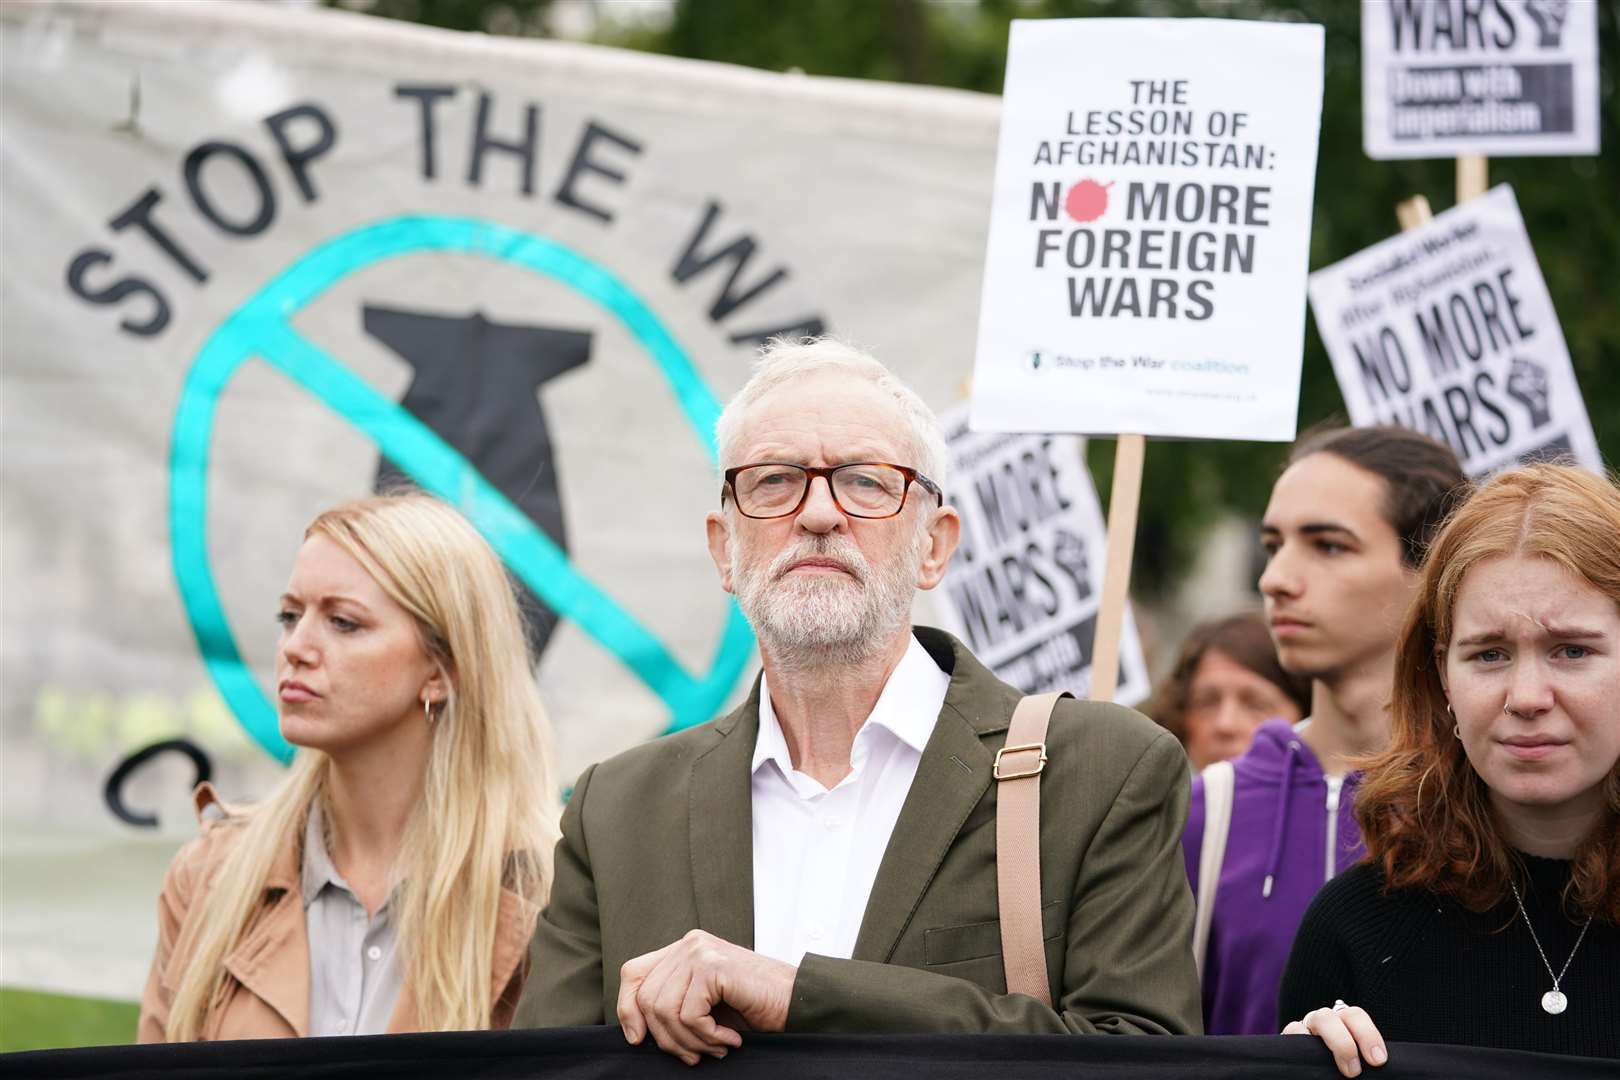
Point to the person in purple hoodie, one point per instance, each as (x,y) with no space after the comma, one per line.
(1344,533)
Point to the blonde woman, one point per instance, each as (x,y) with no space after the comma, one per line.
(391,881)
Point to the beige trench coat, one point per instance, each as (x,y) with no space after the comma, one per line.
(267,995)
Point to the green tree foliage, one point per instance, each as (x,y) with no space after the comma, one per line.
(1570,204)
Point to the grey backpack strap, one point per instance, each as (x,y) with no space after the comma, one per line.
(1219,782)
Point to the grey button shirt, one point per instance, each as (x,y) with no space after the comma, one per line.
(355,970)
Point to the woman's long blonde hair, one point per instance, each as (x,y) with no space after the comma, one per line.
(487,816)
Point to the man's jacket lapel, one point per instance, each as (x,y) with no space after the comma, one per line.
(720,807)
(952,777)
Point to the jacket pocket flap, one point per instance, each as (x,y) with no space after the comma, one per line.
(974,941)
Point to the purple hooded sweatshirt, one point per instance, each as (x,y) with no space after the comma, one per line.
(1277,856)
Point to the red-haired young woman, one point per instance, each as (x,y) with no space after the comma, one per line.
(1487,911)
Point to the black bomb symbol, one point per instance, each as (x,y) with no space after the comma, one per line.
(477,384)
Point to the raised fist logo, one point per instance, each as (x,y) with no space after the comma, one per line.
(1069,553)
(1527,384)
(1549,16)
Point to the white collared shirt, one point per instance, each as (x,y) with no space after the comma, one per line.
(817,851)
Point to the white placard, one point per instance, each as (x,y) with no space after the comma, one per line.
(1444,78)
(1448,329)
(1145,271)
(1024,588)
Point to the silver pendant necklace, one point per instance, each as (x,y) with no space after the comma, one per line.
(1553,1001)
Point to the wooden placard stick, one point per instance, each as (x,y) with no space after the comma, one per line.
(1123,502)
(1413,212)
(1473,174)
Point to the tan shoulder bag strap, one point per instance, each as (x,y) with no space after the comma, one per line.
(1018,846)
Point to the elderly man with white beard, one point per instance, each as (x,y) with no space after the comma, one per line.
(823,858)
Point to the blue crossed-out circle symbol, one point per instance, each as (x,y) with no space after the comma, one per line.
(262,328)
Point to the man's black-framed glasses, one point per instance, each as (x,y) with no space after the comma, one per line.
(863,489)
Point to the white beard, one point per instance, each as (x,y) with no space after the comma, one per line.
(810,620)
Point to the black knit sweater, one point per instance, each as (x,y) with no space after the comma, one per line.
(1428,970)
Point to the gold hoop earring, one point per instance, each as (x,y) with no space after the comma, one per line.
(427,711)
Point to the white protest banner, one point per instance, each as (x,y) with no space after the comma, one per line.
(1448,329)
(1145,271)
(260,259)
(1450,78)
(1023,590)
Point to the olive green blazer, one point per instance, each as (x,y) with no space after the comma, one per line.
(659,840)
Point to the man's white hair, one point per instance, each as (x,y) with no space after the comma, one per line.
(782,360)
